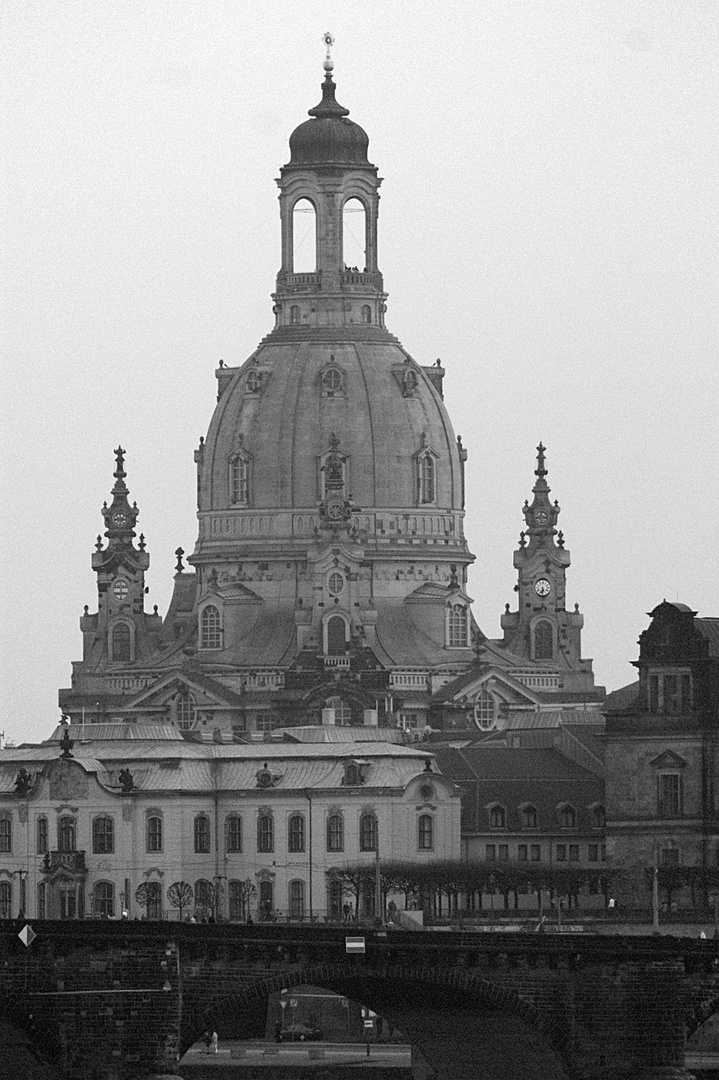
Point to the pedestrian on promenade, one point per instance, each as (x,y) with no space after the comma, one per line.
(215,1041)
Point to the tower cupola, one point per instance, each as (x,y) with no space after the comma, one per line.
(329,205)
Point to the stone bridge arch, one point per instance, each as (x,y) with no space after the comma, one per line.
(451,1016)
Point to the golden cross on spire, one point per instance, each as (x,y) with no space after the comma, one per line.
(329,42)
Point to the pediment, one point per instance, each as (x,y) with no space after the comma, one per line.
(497,681)
(668,760)
(205,691)
(431,592)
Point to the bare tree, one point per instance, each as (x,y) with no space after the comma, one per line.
(180,895)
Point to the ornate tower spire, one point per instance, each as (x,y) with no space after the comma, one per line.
(541,628)
(119,516)
(329,169)
(541,516)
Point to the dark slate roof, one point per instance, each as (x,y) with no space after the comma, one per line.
(513,777)
(622,698)
(709,629)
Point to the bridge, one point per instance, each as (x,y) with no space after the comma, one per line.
(123,1000)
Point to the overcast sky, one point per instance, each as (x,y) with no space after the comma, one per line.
(548,229)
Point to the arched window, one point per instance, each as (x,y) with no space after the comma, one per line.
(239,480)
(335,833)
(296,833)
(254,382)
(265,833)
(354,235)
(5,835)
(336,636)
(294,314)
(103,836)
(297,899)
(567,817)
(233,833)
(236,900)
(335,896)
(185,709)
(210,628)
(457,626)
(366,313)
(497,817)
(368,832)
(203,898)
(599,817)
(121,643)
(5,900)
(529,817)
(543,641)
(103,899)
(66,834)
(202,834)
(425,832)
(426,479)
(41,836)
(267,900)
(154,833)
(304,237)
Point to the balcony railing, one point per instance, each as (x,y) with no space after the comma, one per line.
(74,861)
(339,663)
(356,277)
(300,281)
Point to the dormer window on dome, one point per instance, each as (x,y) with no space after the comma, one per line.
(355,772)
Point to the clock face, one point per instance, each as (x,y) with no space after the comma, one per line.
(542,587)
(334,511)
(120,589)
(541,517)
(119,520)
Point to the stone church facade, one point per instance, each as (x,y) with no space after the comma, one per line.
(328,584)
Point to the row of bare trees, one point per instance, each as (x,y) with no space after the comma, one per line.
(203,904)
(448,887)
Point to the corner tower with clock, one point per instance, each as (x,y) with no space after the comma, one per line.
(120,632)
(541,629)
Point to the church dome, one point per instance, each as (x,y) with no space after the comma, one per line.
(286,406)
(330,138)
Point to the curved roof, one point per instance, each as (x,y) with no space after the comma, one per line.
(286,427)
(329,138)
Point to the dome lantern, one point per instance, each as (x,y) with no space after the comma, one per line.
(329,275)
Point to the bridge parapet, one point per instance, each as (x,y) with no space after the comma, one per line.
(141,993)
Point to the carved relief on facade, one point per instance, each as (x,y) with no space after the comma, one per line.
(68,781)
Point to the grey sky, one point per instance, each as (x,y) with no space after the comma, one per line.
(548,228)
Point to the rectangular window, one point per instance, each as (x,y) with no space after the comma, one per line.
(523,853)
(686,692)
(604,852)
(669,857)
(503,853)
(594,852)
(154,834)
(671,694)
(265,834)
(202,835)
(669,795)
(536,853)
(425,838)
(561,853)
(233,835)
(490,852)
(267,721)
(574,852)
(654,693)
(42,836)
(5,835)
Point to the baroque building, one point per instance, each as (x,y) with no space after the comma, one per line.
(328,584)
(111,820)
(662,753)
